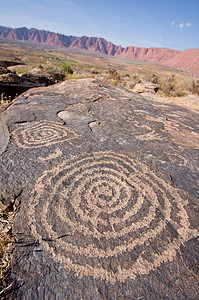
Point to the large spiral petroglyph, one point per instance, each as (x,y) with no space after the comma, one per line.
(108,216)
(45,133)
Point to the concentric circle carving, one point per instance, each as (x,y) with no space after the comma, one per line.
(108,216)
(44,133)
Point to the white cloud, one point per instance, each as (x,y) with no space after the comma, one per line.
(188,24)
(172,23)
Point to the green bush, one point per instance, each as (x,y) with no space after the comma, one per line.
(67,68)
(115,82)
(23,71)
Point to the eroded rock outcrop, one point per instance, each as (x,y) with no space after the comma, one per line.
(12,84)
(106,186)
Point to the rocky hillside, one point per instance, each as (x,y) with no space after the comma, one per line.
(187,60)
(156,55)
(86,43)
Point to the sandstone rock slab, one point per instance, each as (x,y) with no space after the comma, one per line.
(106,184)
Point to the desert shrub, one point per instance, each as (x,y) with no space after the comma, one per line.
(167,88)
(50,69)
(67,68)
(172,87)
(136,78)
(5,99)
(168,85)
(170,78)
(180,89)
(193,87)
(113,74)
(133,80)
(113,77)
(115,82)
(153,78)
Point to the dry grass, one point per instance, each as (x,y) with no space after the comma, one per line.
(4,99)
(7,239)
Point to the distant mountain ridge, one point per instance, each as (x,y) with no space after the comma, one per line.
(186,60)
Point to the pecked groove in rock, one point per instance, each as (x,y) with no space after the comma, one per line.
(110,185)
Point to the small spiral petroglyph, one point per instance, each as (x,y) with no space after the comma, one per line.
(44,133)
(182,134)
(145,132)
(109,216)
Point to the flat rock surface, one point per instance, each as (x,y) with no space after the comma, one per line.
(105,184)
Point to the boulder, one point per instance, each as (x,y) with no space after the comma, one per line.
(36,71)
(105,186)
(145,87)
(4,71)
(36,80)
(12,84)
(7,63)
(20,68)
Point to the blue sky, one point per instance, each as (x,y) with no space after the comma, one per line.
(145,23)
